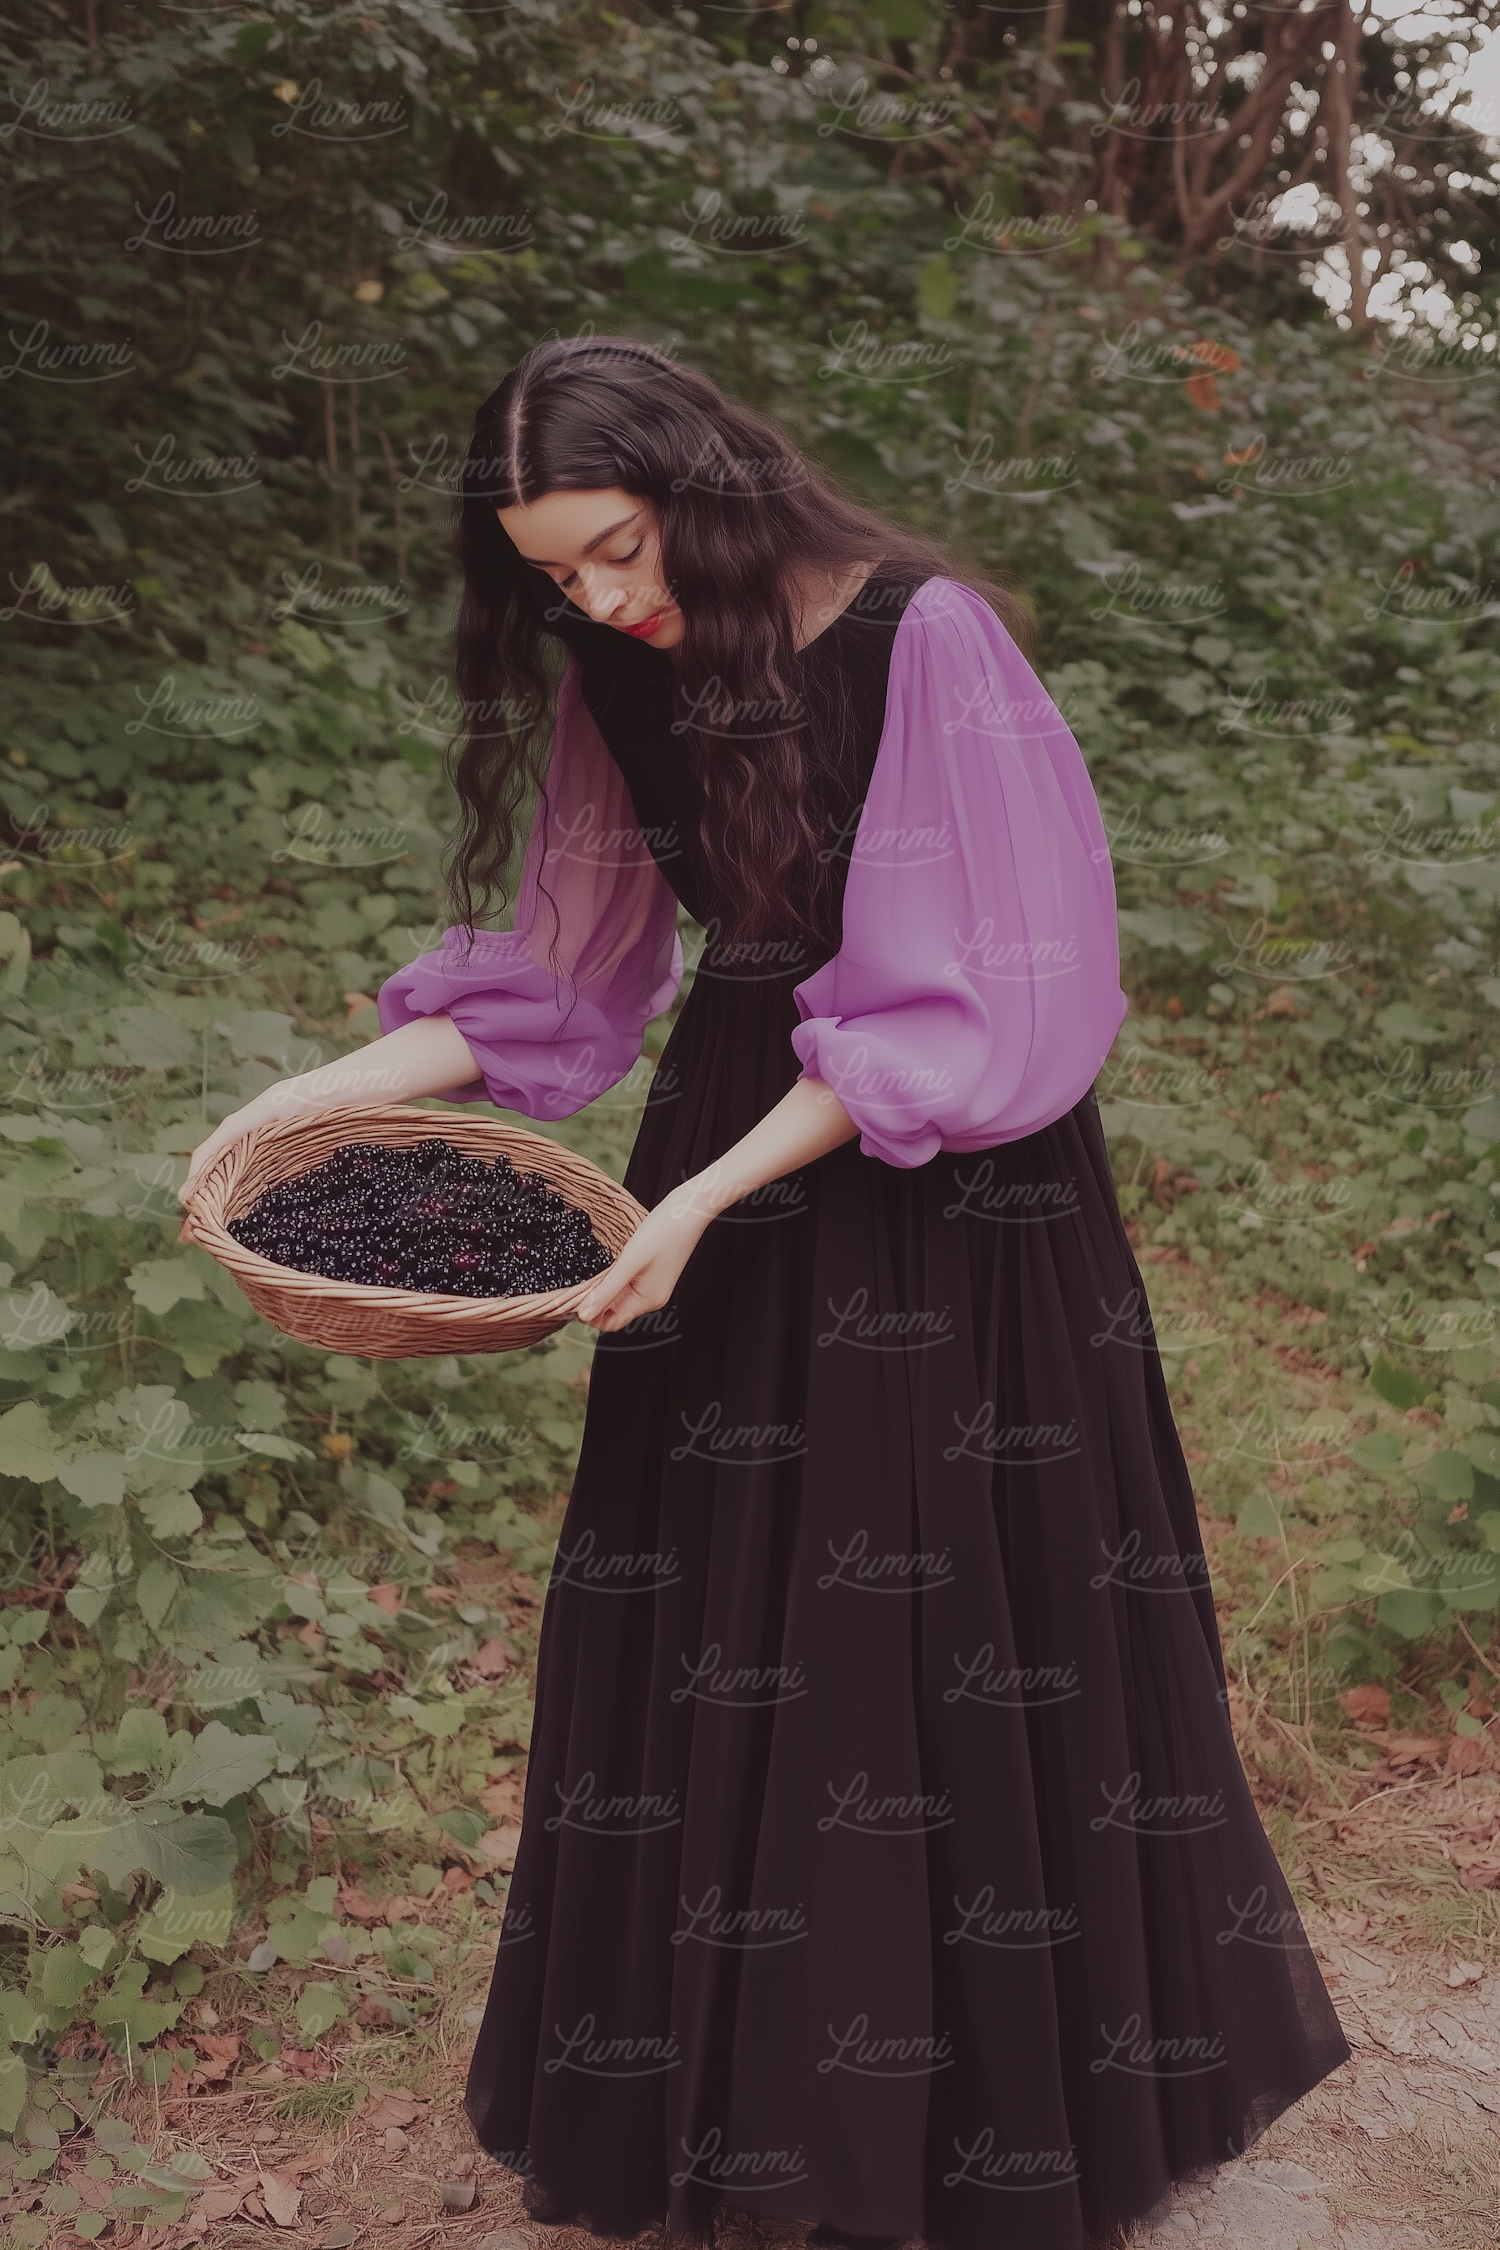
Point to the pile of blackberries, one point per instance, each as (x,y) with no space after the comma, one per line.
(424,1217)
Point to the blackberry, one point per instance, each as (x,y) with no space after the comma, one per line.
(425,1217)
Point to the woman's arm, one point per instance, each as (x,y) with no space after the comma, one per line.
(424,1057)
(806,1123)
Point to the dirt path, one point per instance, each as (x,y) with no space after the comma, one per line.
(1399,2150)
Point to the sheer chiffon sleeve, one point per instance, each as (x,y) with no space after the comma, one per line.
(546,1045)
(976,992)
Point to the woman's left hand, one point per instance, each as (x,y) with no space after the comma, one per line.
(645,1273)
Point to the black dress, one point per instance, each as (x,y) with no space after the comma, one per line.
(887,1860)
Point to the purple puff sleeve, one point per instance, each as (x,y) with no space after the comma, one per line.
(544,1046)
(977,989)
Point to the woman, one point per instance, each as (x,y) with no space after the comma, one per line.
(887,1862)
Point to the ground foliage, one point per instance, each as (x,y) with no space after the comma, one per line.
(264,1630)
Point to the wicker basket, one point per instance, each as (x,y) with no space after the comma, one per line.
(375,1322)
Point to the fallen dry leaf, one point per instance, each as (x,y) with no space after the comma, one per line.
(386,1597)
(391,2109)
(281,2199)
(217,2203)
(358,1908)
(314,2161)
(1478,1865)
(1411,1749)
(1368,1706)
(504,1799)
(218,2054)
(491,1658)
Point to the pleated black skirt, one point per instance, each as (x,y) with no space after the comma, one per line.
(887,1860)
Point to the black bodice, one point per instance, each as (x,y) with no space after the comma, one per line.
(841,678)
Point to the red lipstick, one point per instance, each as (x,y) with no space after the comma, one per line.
(646,628)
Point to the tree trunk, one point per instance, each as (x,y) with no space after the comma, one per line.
(1341,94)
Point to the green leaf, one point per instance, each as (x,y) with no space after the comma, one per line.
(1189,692)
(262,1405)
(1386,1574)
(272,1447)
(222,1765)
(65,1974)
(13,2083)
(384,1502)
(937,288)
(96,1945)
(1395,1386)
(160,1283)
(237,1676)
(140,1742)
(97,1479)
(1446,1476)
(464,1827)
(176,1922)
(1380,1451)
(903,19)
(252,40)
(1410,1613)
(437,1719)
(1471,1582)
(19,2023)
(171,1515)
(319,2008)
(1401,1022)
(1165,928)
(1483,1449)
(151,1039)
(27,1445)
(124,2008)
(194,1855)
(203,1335)
(1257,1518)
(156,1590)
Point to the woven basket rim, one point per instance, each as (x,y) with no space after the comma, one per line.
(202,1225)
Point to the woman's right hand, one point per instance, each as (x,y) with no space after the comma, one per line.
(224,1135)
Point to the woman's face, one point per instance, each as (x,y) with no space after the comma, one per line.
(603,550)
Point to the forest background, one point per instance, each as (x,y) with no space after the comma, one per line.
(1187,321)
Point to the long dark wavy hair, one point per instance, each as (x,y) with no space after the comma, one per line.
(737,508)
